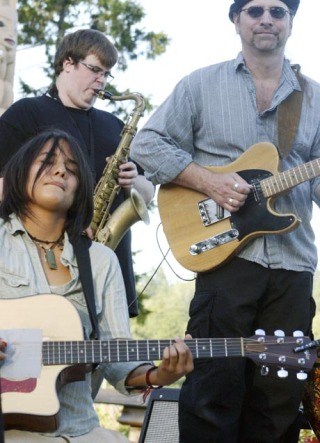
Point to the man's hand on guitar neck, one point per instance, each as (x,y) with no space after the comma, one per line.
(228,190)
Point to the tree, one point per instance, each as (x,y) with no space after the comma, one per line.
(168,306)
(316,296)
(45,23)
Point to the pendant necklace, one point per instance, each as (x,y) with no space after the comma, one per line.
(49,251)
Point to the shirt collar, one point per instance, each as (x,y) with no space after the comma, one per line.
(287,72)
(239,62)
(15,226)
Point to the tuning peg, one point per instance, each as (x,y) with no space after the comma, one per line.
(302,376)
(279,333)
(264,370)
(282,373)
(298,334)
(260,332)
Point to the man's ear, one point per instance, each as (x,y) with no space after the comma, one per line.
(236,19)
(291,25)
(67,64)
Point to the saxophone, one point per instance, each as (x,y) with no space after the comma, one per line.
(109,229)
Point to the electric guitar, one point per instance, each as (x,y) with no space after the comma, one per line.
(203,236)
(33,403)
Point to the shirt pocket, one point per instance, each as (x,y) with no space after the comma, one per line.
(200,314)
(14,285)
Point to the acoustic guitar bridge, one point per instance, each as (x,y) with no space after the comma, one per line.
(213,242)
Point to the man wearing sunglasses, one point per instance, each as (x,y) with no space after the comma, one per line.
(211,118)
(82,65)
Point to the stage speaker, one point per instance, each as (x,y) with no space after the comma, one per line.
(160,423)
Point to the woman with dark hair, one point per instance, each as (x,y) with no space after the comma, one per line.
(47,193)
(15,197)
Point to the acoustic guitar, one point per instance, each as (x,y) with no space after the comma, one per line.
(33,403)
(203,236)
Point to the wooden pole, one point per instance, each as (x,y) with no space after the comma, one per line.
(8,44)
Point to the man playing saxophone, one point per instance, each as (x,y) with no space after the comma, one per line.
(83,62)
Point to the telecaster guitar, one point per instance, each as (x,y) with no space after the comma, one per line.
(203,236)
(33,403)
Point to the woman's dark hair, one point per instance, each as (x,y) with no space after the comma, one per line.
(84,42)
(16,174)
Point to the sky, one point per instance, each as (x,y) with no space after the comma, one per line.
(201,34)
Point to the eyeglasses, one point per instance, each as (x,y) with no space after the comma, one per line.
(97,70)
(276,12)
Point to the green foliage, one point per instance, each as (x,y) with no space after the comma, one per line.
(45,23)
(108,418)
(316,289)
(168,305)
(307,437)
(143,310)
(316,296)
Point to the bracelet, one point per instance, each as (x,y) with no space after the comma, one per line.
(148,382)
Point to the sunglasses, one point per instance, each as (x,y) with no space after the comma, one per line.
(276,12)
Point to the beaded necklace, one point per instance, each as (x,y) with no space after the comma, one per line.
(49,252)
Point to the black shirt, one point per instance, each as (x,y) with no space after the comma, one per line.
(98,134)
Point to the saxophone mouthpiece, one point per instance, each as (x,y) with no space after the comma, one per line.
(102,94)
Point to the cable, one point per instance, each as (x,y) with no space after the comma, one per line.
(164,258)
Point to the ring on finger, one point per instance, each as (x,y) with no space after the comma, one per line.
(230,200)
(236,186)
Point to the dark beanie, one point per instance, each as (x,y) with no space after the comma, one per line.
(239,4)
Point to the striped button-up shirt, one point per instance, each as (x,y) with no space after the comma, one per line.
(211,118)
(22,275)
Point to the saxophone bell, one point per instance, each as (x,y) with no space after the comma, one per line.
(109,228)
(132,210)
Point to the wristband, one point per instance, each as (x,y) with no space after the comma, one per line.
(148,382)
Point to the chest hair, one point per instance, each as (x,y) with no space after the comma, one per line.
(265,90)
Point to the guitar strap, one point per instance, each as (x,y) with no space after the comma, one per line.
(289,112)
(81,250)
